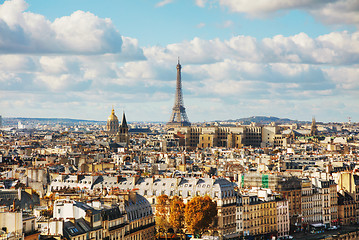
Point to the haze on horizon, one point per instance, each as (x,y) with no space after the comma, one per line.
(77,59)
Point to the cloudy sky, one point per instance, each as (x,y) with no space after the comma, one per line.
(240,58)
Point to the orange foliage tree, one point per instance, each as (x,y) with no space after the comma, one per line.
(199,214)
(176,217)
(162,211)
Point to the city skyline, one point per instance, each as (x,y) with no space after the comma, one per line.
(66,59)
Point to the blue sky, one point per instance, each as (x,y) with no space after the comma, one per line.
(77,59)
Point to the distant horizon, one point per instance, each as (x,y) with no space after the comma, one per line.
(163,122)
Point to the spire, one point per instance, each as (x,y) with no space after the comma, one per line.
(314,129)
(179,116)
(124,122)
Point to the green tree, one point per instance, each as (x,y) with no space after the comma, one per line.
(200,214)
(176,218)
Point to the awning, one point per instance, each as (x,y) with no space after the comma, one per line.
(317,224)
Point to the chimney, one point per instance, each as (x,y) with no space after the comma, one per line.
(19,194)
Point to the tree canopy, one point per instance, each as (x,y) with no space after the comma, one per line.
(197,216)
(200,213)
(162,210)
(176,218)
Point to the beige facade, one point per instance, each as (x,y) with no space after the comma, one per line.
(268,217)
(251,215)
(288,187)
(333,202)
(349,183)
(307,203)
(346,208)
(283,223)
(11,224)
(228,137)
(262,217)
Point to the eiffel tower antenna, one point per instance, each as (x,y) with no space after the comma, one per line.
(178,117)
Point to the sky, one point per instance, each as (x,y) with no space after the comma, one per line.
(240,58)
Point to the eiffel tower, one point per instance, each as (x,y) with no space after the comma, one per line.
(179,117)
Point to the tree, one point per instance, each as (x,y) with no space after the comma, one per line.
(162,211)
(176,218)
(200,213)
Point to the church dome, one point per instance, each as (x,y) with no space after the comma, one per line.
(113,116)
(112,123)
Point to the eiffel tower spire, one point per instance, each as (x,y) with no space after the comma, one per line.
(179,116)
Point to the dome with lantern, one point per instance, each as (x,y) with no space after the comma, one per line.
(112,123)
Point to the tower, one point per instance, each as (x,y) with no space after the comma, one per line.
(112,123)
(179,117)
(122,135)
(314,129)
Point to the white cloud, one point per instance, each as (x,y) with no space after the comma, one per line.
(79,33)
(338,12)
(345,78)
(201,3)
(330,12)
(163,3)
(326,49)
(16,63)
(58,74)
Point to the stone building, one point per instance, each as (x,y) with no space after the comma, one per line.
(122,136)
(264,215)
(346,208)
(228,137)
(112,126)
(349,183)
(79,219)
(287,186)
(219,189)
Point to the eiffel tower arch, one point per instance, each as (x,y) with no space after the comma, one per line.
(179,116)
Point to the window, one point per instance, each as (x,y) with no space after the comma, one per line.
(96,217)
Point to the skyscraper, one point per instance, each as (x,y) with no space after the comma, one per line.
(179,117)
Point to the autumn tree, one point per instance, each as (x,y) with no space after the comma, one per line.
(200,213)
(176,218)
(162,212)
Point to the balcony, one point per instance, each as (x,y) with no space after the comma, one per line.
(140,228)
(117,226)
